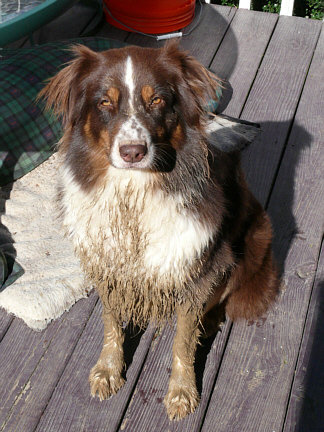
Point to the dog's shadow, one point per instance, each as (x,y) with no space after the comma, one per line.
(133,335)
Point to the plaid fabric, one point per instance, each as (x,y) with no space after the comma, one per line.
(28,134)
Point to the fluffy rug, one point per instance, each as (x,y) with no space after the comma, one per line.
(52,281)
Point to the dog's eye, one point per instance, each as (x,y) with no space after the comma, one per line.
(156,100)
(106,103)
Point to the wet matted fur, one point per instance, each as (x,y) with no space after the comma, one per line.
(154,200)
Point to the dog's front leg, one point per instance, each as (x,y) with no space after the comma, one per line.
(182,397)
(106,376)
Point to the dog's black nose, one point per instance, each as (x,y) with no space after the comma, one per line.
(133,152)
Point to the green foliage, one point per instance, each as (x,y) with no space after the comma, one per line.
(313,9)
(272,7)
(229,3)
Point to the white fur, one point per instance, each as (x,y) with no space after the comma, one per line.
(132,130)
(175,237)
(129,81)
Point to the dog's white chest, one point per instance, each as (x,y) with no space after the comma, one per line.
(134,223)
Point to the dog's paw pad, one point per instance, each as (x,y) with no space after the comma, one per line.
(181,402)
(104,383)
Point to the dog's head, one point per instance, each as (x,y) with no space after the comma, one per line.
(131,108)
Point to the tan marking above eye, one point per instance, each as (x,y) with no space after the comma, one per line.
(113,94)
(147,93)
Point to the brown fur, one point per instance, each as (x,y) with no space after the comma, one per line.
(192,179)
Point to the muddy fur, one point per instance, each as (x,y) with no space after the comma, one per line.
(168,226)
(126,287)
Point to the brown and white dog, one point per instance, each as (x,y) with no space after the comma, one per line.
(159,215)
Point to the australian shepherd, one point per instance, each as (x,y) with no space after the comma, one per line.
(154,200)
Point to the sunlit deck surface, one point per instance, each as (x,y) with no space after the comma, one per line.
(265,376)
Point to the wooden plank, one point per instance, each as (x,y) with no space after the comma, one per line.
(259,363)
(305,411)
(66,26)
(5,321)
(153,385)
(32,362)
(71,407)
(20,351)
(204,40)
(109,31)
(240,54)
(274,97)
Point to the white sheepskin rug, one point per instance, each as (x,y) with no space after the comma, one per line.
(52,281)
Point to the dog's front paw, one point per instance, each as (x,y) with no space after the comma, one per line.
(104,382)
(181,401)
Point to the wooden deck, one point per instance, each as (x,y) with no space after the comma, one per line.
(265,376)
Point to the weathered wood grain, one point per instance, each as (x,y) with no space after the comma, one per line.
(153,385)
(255,378)
(109,31)
(66,26)
(274,97)
(20,351)
(71,398)
(240,54)
(32,362)
(5,321)
(204,40)
(305,410)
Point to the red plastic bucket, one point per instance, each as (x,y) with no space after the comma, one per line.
(150,16)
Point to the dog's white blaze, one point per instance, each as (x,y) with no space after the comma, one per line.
(131,130)
(129,81)
(175,238)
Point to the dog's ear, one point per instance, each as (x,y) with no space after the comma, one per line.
(61,91)
(196,87)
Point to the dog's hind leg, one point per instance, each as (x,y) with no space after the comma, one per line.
(254,281)
(106,376)
(182,397)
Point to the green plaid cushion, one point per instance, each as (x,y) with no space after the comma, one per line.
(28,134)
